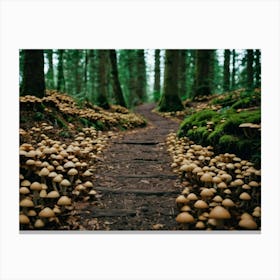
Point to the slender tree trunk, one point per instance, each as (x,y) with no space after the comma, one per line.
(141,75)
(118,94)
(250,70)
(182,73)
(92,75)
(204,72)
(50,75)
(226,75)
(170,100)
(157,76)
(258,68)
(60,74)
(33,82)
(233,73)
(85,73)
(132,78)
(102,79)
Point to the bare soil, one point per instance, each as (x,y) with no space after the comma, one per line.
(135,184)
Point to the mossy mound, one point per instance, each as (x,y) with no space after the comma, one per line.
(222,130)
(61,110)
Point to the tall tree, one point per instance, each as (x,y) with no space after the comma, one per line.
(249,69)
(170,100)
(257,68)
(141,76)
(182,74)
(190,72)
(133,99)
(204,72)
(85,72)
(157,76)
(226,84)
(102,79)
(60,74)
(118,94)
(33,81)
(233,72)
(50,75)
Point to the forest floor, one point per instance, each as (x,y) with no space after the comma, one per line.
(135,183)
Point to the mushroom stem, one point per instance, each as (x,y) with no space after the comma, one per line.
(36,197)
(54,186)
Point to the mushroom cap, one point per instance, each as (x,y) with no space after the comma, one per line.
(69,164)
(217,198)
(25,183)
(65,183)
(219,213)
(253,184)
(200,225)
(88,184)
(226,177)
(206,193)
(248,224)
(36,186)
(206,177)
(192,196)
(181,199)
(39,223)
(222,185)
(216,180)
(184,218)
(53,194)
(24,190)
(64,200)
(245,196)
(46,213)
(43,193)
(185,208)
(58,178)
(228,203)
(72,172)
(44,172)
(23,219)
(26,203)
(200,204)
(31,213)
(246,216)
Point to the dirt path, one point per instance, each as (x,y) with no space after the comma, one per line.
(135,183)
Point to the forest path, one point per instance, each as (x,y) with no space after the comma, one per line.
(136,186)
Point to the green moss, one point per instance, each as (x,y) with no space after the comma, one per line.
(228,140)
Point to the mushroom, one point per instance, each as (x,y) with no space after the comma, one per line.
(206,178)
(64,184)
(181,200)
(43,174)
(220,214)
(36,187)
(247,223)
(72,172)
(185,218)
(39,223)
(25,204)
(64,201)
(23,219)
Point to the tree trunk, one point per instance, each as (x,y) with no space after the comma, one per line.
(204,71)
(157,76)
(33,81)
(170,100)
(131,61)
(182,74)
(226,75)
(258,68)
(118,94)
(85,73)
(141,76)
(60,74)
(102,79)
(250,70)
(233,72)
(50,75)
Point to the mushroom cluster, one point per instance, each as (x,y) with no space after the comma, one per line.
(66,105)
(219,191)
(53,174)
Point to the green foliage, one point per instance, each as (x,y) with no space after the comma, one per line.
(225,133)
(38,116)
